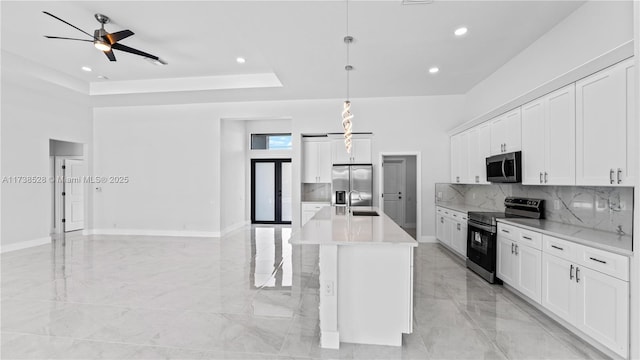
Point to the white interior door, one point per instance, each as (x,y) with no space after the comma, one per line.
(394,190)
(73,195)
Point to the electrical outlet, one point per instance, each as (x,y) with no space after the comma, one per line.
(556,204)
(327,288)
(473,195)
(439,195)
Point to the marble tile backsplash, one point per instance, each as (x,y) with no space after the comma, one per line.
(316,192)
(602,208)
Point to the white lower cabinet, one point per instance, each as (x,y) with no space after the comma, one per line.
(595,303)
(451,229)
(309,209)
(519,264)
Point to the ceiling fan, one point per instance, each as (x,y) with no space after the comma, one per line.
(107,42)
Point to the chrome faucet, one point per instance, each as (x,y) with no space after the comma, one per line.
(349,199)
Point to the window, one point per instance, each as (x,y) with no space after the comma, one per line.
(270,141)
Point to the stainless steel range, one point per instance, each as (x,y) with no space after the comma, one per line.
(482,233)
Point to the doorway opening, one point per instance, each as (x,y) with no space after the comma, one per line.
(67,172)
(399,190)
(271,190)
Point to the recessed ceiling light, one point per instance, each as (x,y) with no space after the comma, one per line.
(461,31)
(86,68)
(434,70)
(241,60)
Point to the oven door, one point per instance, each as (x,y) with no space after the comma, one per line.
(481,245)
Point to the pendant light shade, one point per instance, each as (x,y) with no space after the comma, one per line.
(346,124)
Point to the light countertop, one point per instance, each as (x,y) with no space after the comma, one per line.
(331,226)
(608,241)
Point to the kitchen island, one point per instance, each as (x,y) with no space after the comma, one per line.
(366,276)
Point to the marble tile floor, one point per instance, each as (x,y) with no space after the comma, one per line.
(248,295)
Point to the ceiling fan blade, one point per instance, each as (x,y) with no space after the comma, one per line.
(66,38)
(73,26)
(118,35)
(110,55)
(133,51)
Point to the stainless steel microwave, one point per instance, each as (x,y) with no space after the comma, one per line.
(505,168)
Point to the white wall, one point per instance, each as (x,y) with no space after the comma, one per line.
(593,29)
(34,110)
(172,156)
(158,145)
(233,195)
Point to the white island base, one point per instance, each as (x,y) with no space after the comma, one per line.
(366,278)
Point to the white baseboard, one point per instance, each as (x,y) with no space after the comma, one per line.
(141,232)
(25,244)
(235,227)
(428,239)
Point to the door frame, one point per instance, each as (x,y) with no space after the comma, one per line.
(59,178)
(418,156)
(403,163)
(278,180)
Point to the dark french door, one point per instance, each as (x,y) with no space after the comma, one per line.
(271,191)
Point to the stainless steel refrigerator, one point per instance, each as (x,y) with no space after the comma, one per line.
(354,180)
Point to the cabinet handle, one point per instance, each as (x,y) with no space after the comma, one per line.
(516,249)
(526,237)
(477,179)
(458,179)
(611,176)
(619,176)
(512,247)
(546,177)
(458,226)
(541,177)
(598,260)
(571,272)
(505,231)
(577,274)
(442,220)
(557,247)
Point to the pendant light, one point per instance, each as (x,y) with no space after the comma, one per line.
(347,116)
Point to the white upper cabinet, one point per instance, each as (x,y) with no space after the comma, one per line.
(360,150)
(479,142)
(456,158)
(548,141)
(604,127)
(316,157)
(505,132)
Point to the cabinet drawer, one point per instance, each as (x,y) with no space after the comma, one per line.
(508,231)
(560,248)
(604,262)
(530,238)
(457,215)
(313,206)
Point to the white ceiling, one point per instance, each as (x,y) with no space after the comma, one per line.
(301,42)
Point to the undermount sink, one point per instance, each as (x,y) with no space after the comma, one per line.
(364,213)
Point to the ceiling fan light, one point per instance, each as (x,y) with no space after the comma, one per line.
(101,45)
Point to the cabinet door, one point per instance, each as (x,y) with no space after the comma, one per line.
(484,150)
(456,156)
(310,161)
(361,151)
(529,272)
(633,150)
(339,153)
(603,309)
(465,173)
(513,123)
(558,287)
(447,231)
(601,119)
(459,243)
(533,142)
(560,134)
(498,134)
(440,225)
(324,161)
(505,263)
